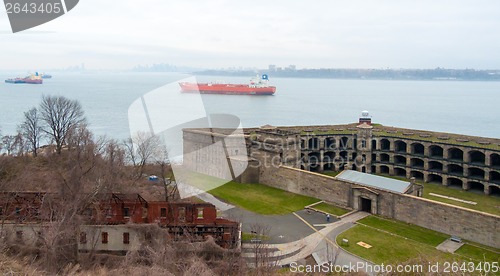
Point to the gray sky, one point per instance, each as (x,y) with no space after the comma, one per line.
(218,33)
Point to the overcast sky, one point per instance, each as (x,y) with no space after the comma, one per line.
(115,34)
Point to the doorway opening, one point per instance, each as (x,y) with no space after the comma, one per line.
(366,205)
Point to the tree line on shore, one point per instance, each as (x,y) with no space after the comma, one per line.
(78,167)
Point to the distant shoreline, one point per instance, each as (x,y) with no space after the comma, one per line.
(369,74)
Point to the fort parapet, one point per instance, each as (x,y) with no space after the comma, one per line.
(469,162)
(292,157)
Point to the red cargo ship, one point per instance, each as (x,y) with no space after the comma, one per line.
(257,86)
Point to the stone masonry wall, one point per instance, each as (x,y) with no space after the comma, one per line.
(308,183)
(468,224)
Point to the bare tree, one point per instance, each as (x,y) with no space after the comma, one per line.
(141,149)
(9,143)
(162,160)
(61,115)
(32,129)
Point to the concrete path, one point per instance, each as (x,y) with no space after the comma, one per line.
(315,242)
(279,229)
(220,205)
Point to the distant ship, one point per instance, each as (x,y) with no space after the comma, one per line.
(257,86)
(32,79)
(46,76)
(15,80)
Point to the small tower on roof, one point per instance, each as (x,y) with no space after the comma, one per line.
(365,117)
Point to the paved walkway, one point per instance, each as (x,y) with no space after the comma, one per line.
(293,237)
(315,242)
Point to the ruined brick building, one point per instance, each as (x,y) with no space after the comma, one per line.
(110,223)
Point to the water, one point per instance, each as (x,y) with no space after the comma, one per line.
(448,106)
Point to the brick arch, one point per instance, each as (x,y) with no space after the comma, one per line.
(494,190)
(454,182)
(384,169)
(313,157)
(476,157)
(495,160)
(417,163)
(417,148)
(435,166)
(400,146)
(477,186)
(455,154)
(495,177)
(329,157)
(329,167)
(313,143)
(436,151)
(435,178)
(384,157)
(385,144)
(418,175)
(477,173)
(344,142)
(400,160)
(330,143)
(400,172)
(454,169)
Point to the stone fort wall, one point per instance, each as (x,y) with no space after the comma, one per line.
(468,224)
(282,157)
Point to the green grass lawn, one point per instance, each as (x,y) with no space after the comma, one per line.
(247,237)
(262,199)
(485,203)
(479,253)
(332,209)
(386,248)
(410,231)
(395,242)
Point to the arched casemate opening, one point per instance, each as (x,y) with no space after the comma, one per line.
(476,186)
(400,160)
(455,170)
(313,144)
(400,172)
(417,148)
(330,143)
(385,144)
(384,169)
(476,157)
(495,160)
(417,163)
(476,173)
(435,166)
(494,190)
(400,146)
(418,175)
(435,151)
(456,154)
(436,179)
(454,182)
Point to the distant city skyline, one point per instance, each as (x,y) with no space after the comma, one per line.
(221,34)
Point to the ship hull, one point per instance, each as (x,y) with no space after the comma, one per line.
(24,80)
(226,89)
(35,81)
(14,81)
